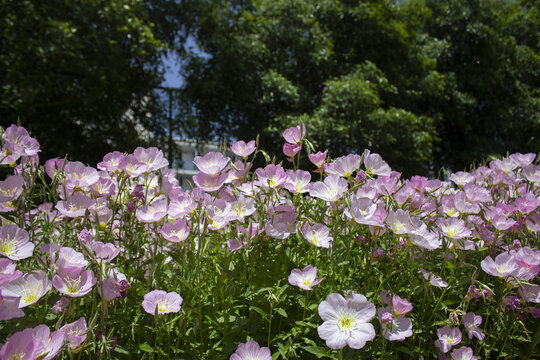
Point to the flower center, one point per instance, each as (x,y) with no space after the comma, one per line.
(346,322)
(7,246)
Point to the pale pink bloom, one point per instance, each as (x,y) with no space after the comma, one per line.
(394,327)
(271,176)
(527,203)
(70,261)
(523,159)
(152,157)
(463,205)
(210,183)
(176,231)
(504,265)
(463,353)
(290,150)
(346,321)
(240,148)
(112,287)
(11,188)
(505,165)
(30,287)
(60,305)
(318,235)
(282,222)
(295,134)
(160,302)
(79,175)
(212,163)
(251,351)
(375,165)
(399,221)
(448,337)
(532,173)
(344,166)
(75,284)
(533,221)
(181,204)
(471,321)
(22,345)
(477,194)
(132,166)
(305,279)
(298,181)
(461,178)
(105,251)
(75,206)
(112,161)
(75,332)
(7,271)
(433,279)
(103,187)
(9,307)
(101,212)
(331,189)
(453,228)
(52,166)
(51,342)
(6,157)
(243,206)
(318,158)
(18,141)
(501,222)
(365,211)
(14,243)
(530,293)
(153,212)
(528,260)
(422,237)
(238,171)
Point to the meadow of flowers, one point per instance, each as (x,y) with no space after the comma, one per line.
(343,260)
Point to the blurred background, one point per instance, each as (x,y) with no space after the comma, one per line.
(428,84)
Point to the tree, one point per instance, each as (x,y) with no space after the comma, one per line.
(78,74)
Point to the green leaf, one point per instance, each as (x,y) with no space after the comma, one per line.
(259,310)
(121,350)
(146,348)
(317,351)
(282,312)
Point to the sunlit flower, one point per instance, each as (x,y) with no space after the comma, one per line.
(18,141)
(75,332)
(331,189)
(8,272)
(153,212)
(346,321)
(176,231)
(22,345)
(161,302)
(295,134)
(318,158)
(11,188)
(463,353)
(251,351)
(80,175)
(30,287)
(504,265)
(212,163)
(240,148)
(318,235)
(75,284)
(9,307)
(344,166)
(304,279)
(433,279)
(75,206)
(471,321)
(375,165)
(14,243)
(152,157)
(447,337)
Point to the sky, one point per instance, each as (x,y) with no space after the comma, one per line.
(172,67)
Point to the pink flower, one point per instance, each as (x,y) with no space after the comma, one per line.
(240,148)
(18,141)
(304,279)
(153,212)
(160,302)
(60,305)
(318,235)
(112,161)
(70,261)
(282,223)
(14,243)
(79,175)
(251,351)
(365,211)
(331,189)
(504,265)
(461,178)
(318,158)
(11,188)
(75,332)
(433,279)
(453,228)
(346,321)
(103,187)
(212,163)
(530,293)
(448,337)
(132,166)
(290,150)
(463,353)
(9,307)
(7,271)
(75,284)
(471,321)
(210,183)
(399,221)
(30,287)
(105,251)
(176,231)
(375,165)
(295,134)
(394,327)
(52,166)
(271,176)
(22,345)
(152,157)
(75,206)
(344,166)
(51,342)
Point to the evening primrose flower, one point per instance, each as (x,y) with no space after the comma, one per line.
(448,337)
(463,353)
(318,235)
(14,243)
(251,351)
(75,284)
(304,279)
(30,287)
(471,321)
(375,165)
(9,307)
(176,231)
(344,166)
(160,302)
(346,321)
(243,150)
(331,189)
(11,188)
(75,332)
